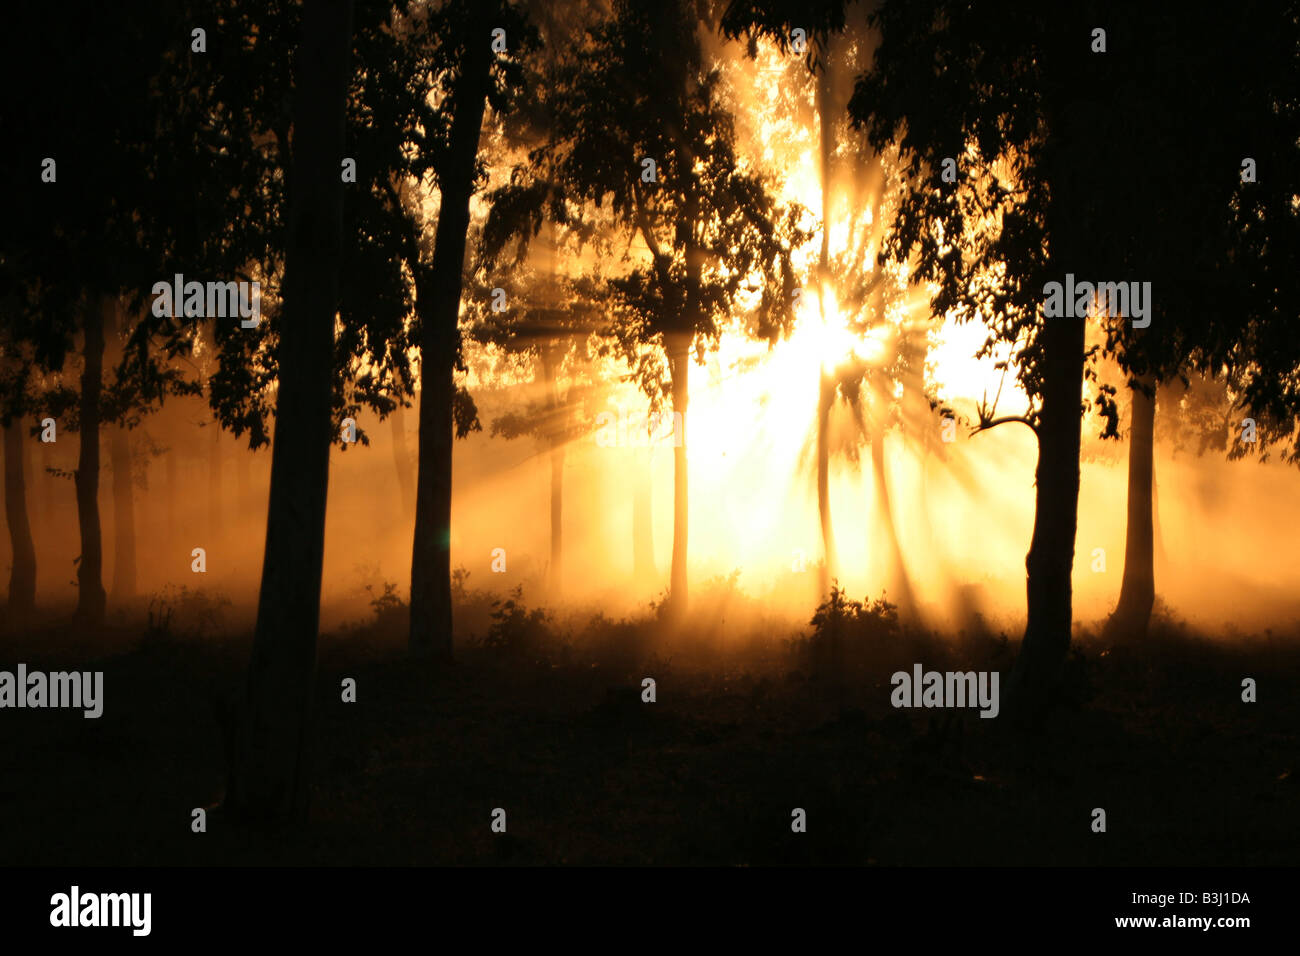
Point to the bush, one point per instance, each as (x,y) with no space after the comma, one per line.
(515,629)
(179,612)
(844,629)
(472,606)
(392,614)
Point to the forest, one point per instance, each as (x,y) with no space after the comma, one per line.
(710,432)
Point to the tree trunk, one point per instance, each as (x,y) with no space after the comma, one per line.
(90,569)
(555,438)
(552,353)
(268,779)
(1040,663)
(22,575)
(119,457)
(826,390)
(1138,590)
(124,567)
(402,462)
(826,396)
(438,298)
(679,366)
(826,148)
(897,575)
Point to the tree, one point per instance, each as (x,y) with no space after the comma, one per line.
(1184,232)
(90,568)
(414,140)
(92,229)
(866,294)
(1044,132)
(641,125)
(551,313)
(402,462)
(548,321)
(1012,104)
(267,781)
(431,612)
(15,388)
(122,408)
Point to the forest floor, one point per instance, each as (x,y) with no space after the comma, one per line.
(1156,734)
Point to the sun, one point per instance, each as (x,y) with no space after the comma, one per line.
(822,340)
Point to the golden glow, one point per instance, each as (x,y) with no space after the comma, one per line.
(752,424)
(962,511)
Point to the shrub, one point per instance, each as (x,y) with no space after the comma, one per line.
(181,612)
(392,614)
(843,629)
(515,629)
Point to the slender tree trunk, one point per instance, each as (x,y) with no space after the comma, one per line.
(918,425)
(119,456)
(268,779)
(679,365)
(90,570)
(402,462)
(826,389)
(643,551)
(124,564)
(825,149)
(22,575)
(1138,590)
(438,298)
(897,574)
(555,439)
(552,354)
(826,396)
(1039,666)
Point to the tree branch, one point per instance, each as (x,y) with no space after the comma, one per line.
(987,423)
(643,222)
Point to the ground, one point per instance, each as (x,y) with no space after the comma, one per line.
(1155,733)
